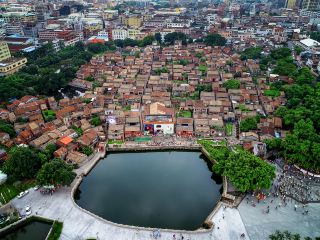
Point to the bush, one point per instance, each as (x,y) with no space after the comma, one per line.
(86,150)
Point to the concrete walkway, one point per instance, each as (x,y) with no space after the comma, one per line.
(260,225)
(78,224)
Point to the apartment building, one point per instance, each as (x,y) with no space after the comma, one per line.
(4,51)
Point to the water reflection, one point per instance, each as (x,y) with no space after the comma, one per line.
(32,231)
(174,190)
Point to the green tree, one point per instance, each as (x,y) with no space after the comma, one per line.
(183,62)
(251,53)
(285,67)
(280,53)
(23,163)
(298,50)
(231,84)
(274,143)
(56,172)
(7,128)
(147,41)
(246,171)
(79,131)
(47,71)
(97,47)
(287,236)
(157,36)
(248,124)
(158,71)
(215,40)
(315,36)
(170,38)
(303,76)
(302,146)
(96,121)
(89,78)
(204,87)
(86,150)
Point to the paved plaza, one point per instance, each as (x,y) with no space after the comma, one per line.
(254,219)
(80,225)
(260,224)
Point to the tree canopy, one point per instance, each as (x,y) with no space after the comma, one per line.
(315,36)
(23,163)
(7,128)
(288,236)
(301,146)
(251,53)
(246,171)
(248,124)
(170,38)
(300,114)
(47,71)
(96,121)
(280,53)
(215,40)
(232,84)
(86,150)
(56,172)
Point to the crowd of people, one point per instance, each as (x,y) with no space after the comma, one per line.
(290,186)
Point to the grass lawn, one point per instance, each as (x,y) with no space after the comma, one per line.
(185,114)
(10,191)
(229,129)
(56,231)
(119,142)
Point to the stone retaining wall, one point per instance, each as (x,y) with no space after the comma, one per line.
(153,148)
(22,222)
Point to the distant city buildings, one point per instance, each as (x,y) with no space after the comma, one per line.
(29,24)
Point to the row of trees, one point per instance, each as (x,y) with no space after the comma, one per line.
(170,38)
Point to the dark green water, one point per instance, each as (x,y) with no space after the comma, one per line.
(31,231)
(175,190)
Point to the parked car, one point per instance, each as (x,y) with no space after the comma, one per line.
(22,194)
(28,210)
(36,187)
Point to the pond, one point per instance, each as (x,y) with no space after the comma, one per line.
(32,231)
(175,190)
